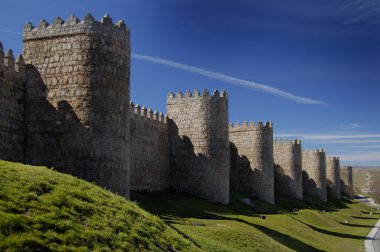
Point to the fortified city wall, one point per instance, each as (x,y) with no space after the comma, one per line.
(199,144)
(252,168)
(77,99)
(288,168)
(333,177)
(314,173)
(12,79)
(68,106)
(150,151)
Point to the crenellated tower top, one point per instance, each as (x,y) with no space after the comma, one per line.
(73,25)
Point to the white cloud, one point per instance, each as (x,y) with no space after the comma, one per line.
(350,125)
(11,32)
(324,137)
(229,79)
(361,157)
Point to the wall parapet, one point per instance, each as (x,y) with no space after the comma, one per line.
(196,93)
(11,66)
(286,141)
(244,126)
(148,113)
(71,26)
(313,151)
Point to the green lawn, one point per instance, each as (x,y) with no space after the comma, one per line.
(315,227)
(43,210)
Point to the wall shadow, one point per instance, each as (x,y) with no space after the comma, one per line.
(173,208)
(55,137)
(283,183)
(197,173)
(364,218)
(354,225)
(309,186)
(324,231)
(244,178)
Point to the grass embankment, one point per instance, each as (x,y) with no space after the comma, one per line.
(43,210)
(316,226)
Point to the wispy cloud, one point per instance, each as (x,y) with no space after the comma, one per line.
(10,32)
(229,79)
(324,137)
(349,126)
(362,157)
(358,149)
(361,16)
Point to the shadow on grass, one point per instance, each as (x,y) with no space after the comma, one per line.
(172,207)
(374,213)
(354,225)
(324,231)
(364,218)
(284,239)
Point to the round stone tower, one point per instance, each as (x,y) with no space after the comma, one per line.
(252,168)
(199,144)
(333,177)
(314,173)
(77,98)
(288,168)
(346,181)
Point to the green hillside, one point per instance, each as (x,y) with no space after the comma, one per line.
(291,225)
(43,210)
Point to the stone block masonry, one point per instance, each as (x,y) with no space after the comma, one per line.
(77,99)
(346,181)
(288,168)
(333,177)
(12,80)
(150,152)
(199,144)
(314,173)
(252,168)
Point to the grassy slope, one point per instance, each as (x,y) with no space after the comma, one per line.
(41,208)
(316,226)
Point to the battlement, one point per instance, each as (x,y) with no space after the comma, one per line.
(10,65)
(196,93)
(72,26)
(251,126)
(286,142)
(313,151)
(148,113)
(335,158)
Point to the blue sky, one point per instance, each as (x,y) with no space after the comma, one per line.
(310,67)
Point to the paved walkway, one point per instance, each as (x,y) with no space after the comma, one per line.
(372,242)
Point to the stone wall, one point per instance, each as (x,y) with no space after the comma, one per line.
(333,177)
(199,144)
(288,168)
(252,168)
(150,152)
(346,182)
(77,99)
(12,79)
(314,173)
